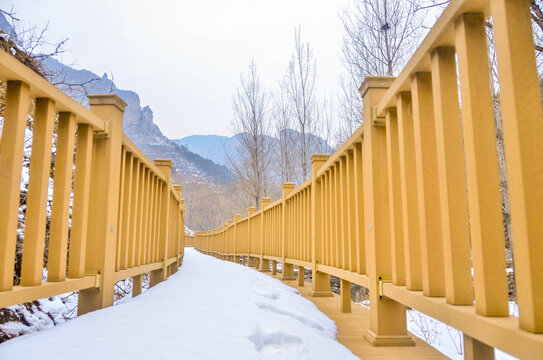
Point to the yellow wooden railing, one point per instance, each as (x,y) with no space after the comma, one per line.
(409,206)
(126,216)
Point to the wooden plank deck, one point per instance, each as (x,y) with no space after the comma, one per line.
(352,325)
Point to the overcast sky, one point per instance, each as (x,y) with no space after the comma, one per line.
(184,58)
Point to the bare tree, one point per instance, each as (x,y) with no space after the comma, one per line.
(282,113)
(300,79)
(251,126)
(324,125)
(380,36)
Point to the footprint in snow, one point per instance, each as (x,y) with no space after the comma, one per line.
(268,294)
(277,339)
(303,319)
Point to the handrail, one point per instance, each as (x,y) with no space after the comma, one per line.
(410,205)
(114,184)
(12,69)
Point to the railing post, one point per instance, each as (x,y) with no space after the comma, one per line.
(250,212)
(476,350)
(104,202)
(264,263)
(320,284)
(287,271)
(228,240)
(388,325)
(159,275)
(237,217)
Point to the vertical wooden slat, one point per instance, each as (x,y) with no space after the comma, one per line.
(300,225)
(351,213)
(120,215)
(431,233)
(324,218)
(331,217)
(333,210)
(154,228)
(409,191)
(452,178)
(80,208)
(151,226)
(485,212)
(134,224)
(127,204)
(145,219)
(62,188)
(40,166)
(337,215)
(359,208)
(343,212)
(394,198)
(523,130)
(140,212)
(308,241)
(11,156)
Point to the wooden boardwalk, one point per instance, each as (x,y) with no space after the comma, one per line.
(352,325)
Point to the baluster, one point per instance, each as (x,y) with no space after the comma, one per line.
(11,155)
(394,198)
(140,213)
(62,188)
(359,208)
(337,216)
(126,205)
(323,188)
(344,221)
(264,231)
(40,168)
(431,232)
(333,209)
(120,216)
(80,209)
(330,217)
(452,178)
(145,219)
(484,200)
(133,212)
(520,100)
(287,272)
(250,230)
(351,213)
(409,191)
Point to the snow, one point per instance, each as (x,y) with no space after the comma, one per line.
(209,309)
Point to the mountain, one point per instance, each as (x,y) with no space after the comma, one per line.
(138,122)
(213,147)
(216,147)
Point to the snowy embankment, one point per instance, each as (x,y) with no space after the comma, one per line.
(210,309)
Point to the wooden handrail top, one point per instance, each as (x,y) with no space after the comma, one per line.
(12,69)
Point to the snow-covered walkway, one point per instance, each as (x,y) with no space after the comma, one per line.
(210,309)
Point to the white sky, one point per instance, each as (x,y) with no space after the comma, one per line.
(184,58)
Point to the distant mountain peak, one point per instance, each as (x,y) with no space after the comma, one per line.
(138,123)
